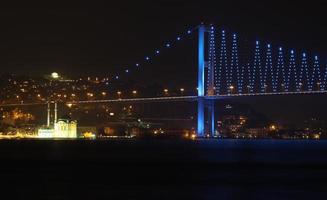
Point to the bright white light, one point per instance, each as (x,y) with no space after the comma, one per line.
(55,75)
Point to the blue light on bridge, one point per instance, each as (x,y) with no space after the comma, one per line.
(271,70)
(256,65)
(212,65)
(291,68)
(223,65)
(201,62)
(316,76)
(268,65)
(280,69)
(201,75)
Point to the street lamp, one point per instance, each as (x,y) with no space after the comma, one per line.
(300,86)
(166,91)
(182,91)
(119,94)
(318,84)
(249,88)
(231,88)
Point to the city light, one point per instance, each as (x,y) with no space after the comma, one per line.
(273,127)
(55,75)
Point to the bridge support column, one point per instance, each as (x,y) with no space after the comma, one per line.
(211,113)
(201,122)
(201,66)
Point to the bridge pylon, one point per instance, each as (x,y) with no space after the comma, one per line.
(202,101)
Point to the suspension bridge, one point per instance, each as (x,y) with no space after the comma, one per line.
(231,67)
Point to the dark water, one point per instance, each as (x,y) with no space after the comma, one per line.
(163,169)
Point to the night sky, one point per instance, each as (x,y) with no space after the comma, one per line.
(96,38)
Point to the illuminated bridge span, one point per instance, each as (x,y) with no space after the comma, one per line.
(230,66)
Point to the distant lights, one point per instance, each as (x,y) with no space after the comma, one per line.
(167,45)
(189,32)
(126,70)
(157,52)
(280,48)
(147,58)
(137,65)
(178,38)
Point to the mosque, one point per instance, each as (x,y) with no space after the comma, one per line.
(61,128)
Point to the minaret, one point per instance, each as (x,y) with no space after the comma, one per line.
(55,113)
(48,115)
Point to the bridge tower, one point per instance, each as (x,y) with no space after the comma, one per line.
(202,101)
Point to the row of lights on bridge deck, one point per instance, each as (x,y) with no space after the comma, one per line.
(134,92)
